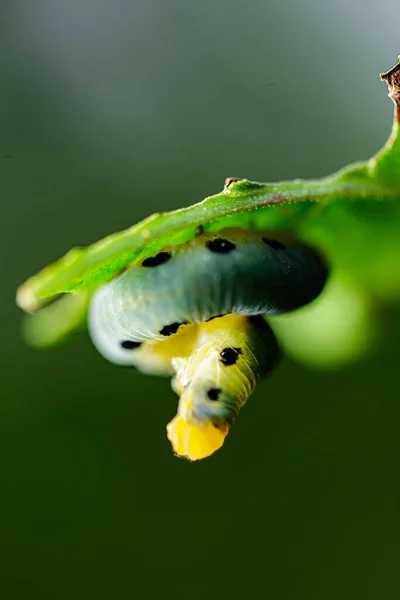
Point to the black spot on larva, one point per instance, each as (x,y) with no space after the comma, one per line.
(229,356)
(274,244)
(216,317)
(129,345)
(213,394)
(220,246)
(158,259)
(170,329)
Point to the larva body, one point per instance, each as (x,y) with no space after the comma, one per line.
(194,311)
(234,271)
(230,356)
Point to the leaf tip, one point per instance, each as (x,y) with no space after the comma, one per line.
(25,299)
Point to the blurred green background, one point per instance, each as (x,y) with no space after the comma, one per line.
(107,107)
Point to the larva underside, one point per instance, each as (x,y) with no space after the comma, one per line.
(194,311)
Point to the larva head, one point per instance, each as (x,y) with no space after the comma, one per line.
(233,352)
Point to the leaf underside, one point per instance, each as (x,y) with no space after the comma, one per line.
(352,216)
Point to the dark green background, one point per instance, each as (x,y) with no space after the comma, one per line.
(114,109)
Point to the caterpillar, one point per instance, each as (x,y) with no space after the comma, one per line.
(199,317)
(233,271)
(193,311)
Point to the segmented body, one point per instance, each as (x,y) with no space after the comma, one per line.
(191,311)
(234,271)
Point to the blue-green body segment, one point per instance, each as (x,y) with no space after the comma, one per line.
(232,271)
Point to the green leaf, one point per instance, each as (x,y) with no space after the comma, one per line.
(294,206)
(353,216)
(55,323)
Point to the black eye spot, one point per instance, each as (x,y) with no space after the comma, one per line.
(220,246)
(213,394)
(170,329)
(274,244)
(156,260)
(229,356)
(129,345)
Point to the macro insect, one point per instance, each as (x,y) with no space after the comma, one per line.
(194,311)
(185,293)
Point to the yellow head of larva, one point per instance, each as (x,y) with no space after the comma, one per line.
(195,441)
